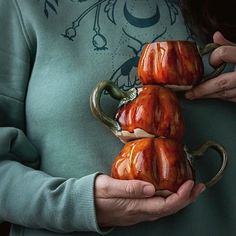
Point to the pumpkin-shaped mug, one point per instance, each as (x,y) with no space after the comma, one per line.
(175,64)
(165,163)
(149,111)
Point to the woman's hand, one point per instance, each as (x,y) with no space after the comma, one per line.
(127,202)
(224,85)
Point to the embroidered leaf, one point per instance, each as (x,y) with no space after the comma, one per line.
(56,1)
(46,12)
(51,6)
(109,9)
(173,11)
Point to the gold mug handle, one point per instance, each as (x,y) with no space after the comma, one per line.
(208,49)
(115,92)
(198,154)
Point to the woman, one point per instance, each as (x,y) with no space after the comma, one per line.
(53,152)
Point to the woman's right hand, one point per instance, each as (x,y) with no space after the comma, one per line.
(128,202)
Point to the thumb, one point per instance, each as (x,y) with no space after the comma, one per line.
(219,38)
(114,188)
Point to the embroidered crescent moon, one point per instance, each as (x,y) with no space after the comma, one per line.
(141,22)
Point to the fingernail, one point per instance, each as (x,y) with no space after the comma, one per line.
(189,95)
(148,190)
(202,189)
(191,183)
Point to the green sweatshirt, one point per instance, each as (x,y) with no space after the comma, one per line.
(52,54)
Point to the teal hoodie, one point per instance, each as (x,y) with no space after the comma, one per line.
(52,55)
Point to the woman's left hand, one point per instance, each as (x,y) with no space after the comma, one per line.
(223,86)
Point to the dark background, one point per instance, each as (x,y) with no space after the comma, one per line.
(4,229)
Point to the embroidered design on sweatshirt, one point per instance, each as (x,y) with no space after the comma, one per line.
(173,10)
(123,76)
(99,40)
(141,22)
(124,70)
(50,5)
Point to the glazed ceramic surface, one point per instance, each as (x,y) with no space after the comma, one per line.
(149,111)
(160,161)
(163,162)
(174,63)
(155,110)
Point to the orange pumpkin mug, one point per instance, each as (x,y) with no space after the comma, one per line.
(149,111)
(175,64)
(165,163)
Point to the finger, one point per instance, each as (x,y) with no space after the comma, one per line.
(223,54)
(232,100)
(180,199)
(108,187)
(197,190)
(224,94)
(222,82)
(159,206)
(219,38)
(186,194)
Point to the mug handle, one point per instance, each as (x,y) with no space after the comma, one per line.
(116,93)
(208,49)
(198,154)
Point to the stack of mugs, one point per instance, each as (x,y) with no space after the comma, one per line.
(149,119)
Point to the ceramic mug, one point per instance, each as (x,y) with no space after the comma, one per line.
(165,163)
(175,64)
(149,111)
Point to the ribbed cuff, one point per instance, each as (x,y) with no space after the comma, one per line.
(87,220)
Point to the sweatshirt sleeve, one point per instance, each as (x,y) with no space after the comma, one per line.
(30,197)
